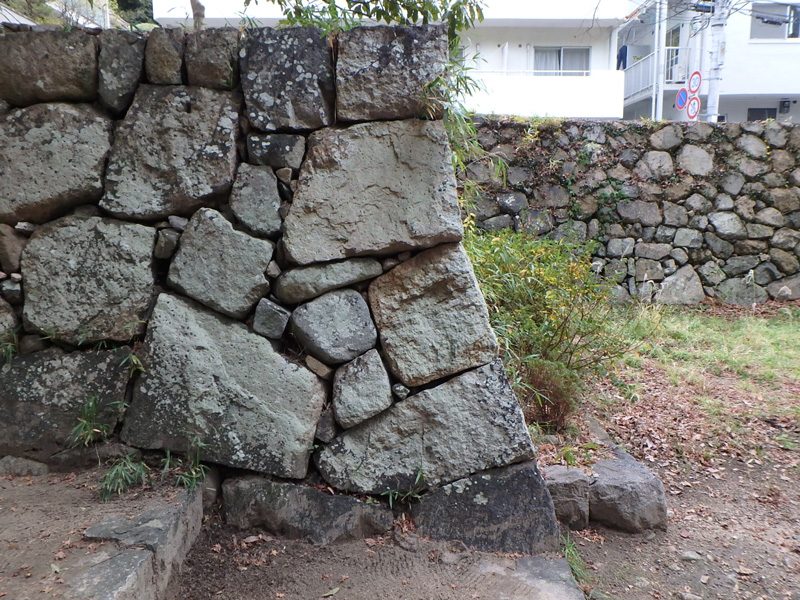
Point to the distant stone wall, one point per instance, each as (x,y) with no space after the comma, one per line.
(680,211)
(254,243)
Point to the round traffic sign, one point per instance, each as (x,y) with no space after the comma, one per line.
(693,108)
(695,79)
(681,98)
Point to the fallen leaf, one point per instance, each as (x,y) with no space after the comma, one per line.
(330,593)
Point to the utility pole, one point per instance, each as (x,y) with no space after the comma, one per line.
(722,9)
(659,57)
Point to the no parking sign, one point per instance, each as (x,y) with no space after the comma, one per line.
(687,98)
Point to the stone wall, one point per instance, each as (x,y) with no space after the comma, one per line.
(680,211)
(268,228)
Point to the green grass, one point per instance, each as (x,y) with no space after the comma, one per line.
(574,559)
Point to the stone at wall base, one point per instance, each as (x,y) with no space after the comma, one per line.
(569,489)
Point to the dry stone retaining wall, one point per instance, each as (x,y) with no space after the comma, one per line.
(680,211)
(275,235)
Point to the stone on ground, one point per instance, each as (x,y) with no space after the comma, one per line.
(741,291)
(52,158)
(200,380)
(88,279)
(219,266)
(175,151)
(212,57)
(785,289)
(298,511)
(361,389)
(120,65)
(403,198)
(305,283)
(15,466)
(468,424)
(682,287)
(501,510)
(431,316)
(569,489)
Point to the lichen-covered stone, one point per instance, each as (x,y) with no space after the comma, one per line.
(48,66)
(88,279)
(361,389)
(212,58)
(276,150)
(270,319)
(200,380)
(741,291)
(695,160)
(219,266)
(52,158)
(11,245)
(304,283)
(431,316)
(785,289)
(255,200)
(42,395)
(402,198)
(175,151)
(470,423)
(287,78)
(728,225)
(120,66)
(682,287)
(382,71)
(164,56)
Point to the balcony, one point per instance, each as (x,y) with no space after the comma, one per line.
(640,75)
(596,94)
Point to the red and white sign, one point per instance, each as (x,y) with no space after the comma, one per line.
(695,79)
(693,108)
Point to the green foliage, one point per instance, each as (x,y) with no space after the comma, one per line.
(400,497)
(123,474)
(134,363)
(188,473)
(89,430)
(9,347)
(574,560)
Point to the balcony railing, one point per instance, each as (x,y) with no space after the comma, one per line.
(639,76)
(537,73)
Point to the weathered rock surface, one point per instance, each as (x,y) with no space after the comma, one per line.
(277,150)
(403,198)
(88,279)
(639,211)
(501,510)
(682,287)
(212,58)
(305,283)
(120,66)
(219,266)
(164,56)
(298,511)
(431,316)
(11,245)
(695,160)
(175,150)
(199,380)
(287,78)
(255,200)
(21,467)
(741,291)
(728,225)
(52,159)
(785,289)
(335,327)
(569,489)
(382,72)
(626,495)
(470,423)
(48,66)
(270,319)
(8,320)
(166,243)
(42,394)
(361,389)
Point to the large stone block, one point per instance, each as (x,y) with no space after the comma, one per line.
(219,266)
(88,279)
(682,287)
(287,78)
(175,151)
(212,57)
(51,158)
(569,489)
(501,510)
(431,316)
(361,389)
(48,66)
(298,511)
(382,72)
(200,381)
(164,56)
(120,65)
(375,188)
(255,200)
(470,423)
(305,283)
(42,394)
(728,225)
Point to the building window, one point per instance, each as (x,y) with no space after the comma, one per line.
(771,21)
(761,114)
(561,61)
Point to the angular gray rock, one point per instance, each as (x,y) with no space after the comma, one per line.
(659,163)
(786,239)
(626,495)
(120,64)
(695,161)
(21,467)
(470,423)
(667,138)
(48,66)
(649,270)
(728,225)
(8,321)
(326,428)
(200,381)
(688,238)
(569,489)
(784,260)
(752,146)
(270,319)
(361,389)
(431,316)
(219,266)
(88,279)
(12,244)
(42,395)
(255,200)
(785,289)
(403,198)
(212,58)
(276,150)
(52,159)
(620,247)
(382,71)
(298,511)
(732,183)
(511,203)
(741,291)
(675,215)
(175,150)
(639,211)
(304,283)
(652,251)
(501,510)
(738,265)
(163,58)
(287,78)
(711,274)
(166,243)
(335,327)
(682,287)
(770,216)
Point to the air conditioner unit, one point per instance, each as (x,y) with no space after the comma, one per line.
(784,106)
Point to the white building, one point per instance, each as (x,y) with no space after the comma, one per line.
(761,66)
